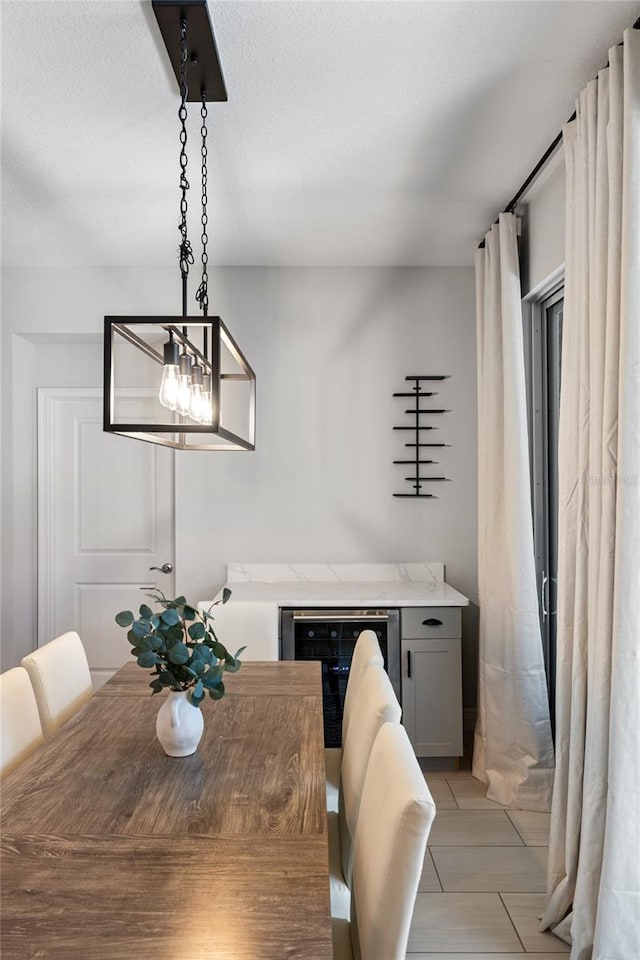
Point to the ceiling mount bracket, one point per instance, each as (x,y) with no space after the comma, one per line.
(204,70)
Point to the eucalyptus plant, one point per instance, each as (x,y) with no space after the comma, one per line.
(179,643)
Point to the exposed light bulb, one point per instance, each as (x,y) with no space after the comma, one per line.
(195,408)
(168,395)
(206,398)
(183,399)
(195,403)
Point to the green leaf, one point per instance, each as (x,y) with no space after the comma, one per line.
(198,667)
(140,628)
(238,652)
(197,631)
(189,613)
(125,618)
(219,650)
(202,651)
(179,653)
(233,667)
(147,659)
(171,617)
(212,677)
(145,612)
(131,637)
(156,620)
(217,693)
(180,601)
(226,593)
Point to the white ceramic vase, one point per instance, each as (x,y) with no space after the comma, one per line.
(179,725)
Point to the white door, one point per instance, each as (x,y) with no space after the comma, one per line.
(105,518)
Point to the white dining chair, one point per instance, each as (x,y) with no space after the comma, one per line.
(394,820)
(61,680)
(374,705)
(366,651)
(20,727)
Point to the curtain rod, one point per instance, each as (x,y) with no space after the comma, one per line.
(546,156)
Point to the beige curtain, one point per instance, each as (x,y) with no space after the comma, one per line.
(594,856)
(513,752)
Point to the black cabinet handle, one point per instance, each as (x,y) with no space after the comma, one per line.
(409,664)
(432,622)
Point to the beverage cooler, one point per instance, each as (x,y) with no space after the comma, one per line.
(330,637)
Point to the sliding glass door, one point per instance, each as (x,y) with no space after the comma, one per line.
(543,346)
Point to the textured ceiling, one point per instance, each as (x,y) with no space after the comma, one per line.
(356,132)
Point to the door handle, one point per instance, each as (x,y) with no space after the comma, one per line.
(165,568)
(432,622)
(545,593)
(409,664)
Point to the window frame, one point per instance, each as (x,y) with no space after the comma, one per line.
(541,351)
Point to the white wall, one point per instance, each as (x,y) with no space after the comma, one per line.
(329,347)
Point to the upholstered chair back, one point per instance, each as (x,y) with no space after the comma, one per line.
(20,727)
(61,680)
(366,651)
(375,703)
(394,820)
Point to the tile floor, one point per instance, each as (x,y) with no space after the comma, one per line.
(482,888)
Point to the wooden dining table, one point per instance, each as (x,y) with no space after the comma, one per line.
(111,850)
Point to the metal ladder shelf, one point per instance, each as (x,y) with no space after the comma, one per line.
(417,428)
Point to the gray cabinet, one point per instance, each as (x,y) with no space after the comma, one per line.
(431,639)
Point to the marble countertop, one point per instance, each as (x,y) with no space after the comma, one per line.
(338,594)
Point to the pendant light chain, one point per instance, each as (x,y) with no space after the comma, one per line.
(190,393)
(186,253)
(202,296)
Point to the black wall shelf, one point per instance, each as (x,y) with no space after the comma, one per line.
(418,427)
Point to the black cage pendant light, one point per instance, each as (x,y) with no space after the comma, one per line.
(182,381)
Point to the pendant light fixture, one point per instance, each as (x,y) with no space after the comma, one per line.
(175,380)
